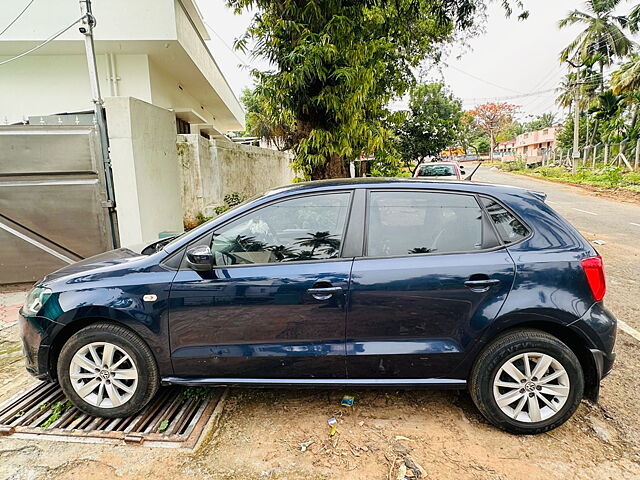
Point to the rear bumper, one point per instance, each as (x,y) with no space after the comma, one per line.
(598,326)
(603,362)
(36,352)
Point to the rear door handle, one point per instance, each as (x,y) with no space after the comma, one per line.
(323,293)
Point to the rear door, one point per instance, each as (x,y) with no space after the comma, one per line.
(273,305)
(433,274)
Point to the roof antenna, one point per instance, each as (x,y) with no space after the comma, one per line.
(468,178)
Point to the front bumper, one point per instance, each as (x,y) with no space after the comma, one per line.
(34,347)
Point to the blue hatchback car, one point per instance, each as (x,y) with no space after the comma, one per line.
(370,282)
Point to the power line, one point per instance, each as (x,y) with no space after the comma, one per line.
(483,80)
(16,19)
(232,50)
(512,97)
(51,38)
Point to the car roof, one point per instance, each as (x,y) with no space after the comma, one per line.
(444,162)
(399,182)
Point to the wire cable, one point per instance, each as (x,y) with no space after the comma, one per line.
(16,19)
(483,80)
(51,38)
(232,50)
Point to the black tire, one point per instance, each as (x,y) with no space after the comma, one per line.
(133,345)
(504,348)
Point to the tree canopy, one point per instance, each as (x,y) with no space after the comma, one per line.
(492,118)
(432,123)
(336,64)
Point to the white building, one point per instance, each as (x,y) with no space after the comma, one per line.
(157,77)
(152,50)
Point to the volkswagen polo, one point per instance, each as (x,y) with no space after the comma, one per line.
(362,283)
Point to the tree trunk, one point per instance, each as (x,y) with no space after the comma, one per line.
(491,148)
(334,167)
(601,76)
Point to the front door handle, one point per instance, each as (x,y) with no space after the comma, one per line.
(323,293)
(481,285)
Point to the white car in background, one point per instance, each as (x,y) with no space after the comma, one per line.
(440,171)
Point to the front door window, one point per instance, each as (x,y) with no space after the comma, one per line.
(305,228)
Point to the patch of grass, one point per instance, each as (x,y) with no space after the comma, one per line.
(163,426)
(603,176)
(514,166)
(57,409)
(198,393)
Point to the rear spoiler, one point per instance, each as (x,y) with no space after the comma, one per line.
(539,195)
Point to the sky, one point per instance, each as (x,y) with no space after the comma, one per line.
(511,58)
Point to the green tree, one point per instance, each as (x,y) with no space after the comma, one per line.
(627,78)
(336,64)
(509,131)
(431,125)
(565,135)
(470,136)
(261,121)
(609,110)
(545,120)
(602,39)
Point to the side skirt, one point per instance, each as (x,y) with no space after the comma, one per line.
(435,383)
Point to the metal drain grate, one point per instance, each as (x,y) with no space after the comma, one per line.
(176,417)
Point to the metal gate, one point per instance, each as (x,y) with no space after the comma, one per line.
(53,204)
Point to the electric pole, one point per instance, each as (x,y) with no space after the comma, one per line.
(88,22)
(575,155)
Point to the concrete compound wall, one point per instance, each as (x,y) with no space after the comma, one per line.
(145,169)
(211,169)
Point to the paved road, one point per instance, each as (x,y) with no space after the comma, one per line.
(615,222)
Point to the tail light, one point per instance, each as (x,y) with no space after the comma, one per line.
(594,270)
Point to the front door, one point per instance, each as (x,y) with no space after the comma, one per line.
(273,305)
(432,275)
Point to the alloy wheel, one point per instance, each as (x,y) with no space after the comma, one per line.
(103,375)
(531,387)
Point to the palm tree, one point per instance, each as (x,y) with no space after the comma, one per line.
(547,120)
(627,78)
(566,91)
(324,240)
(602,39)
(609,110)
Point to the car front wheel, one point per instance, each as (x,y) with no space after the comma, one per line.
(108,371)
(527,382)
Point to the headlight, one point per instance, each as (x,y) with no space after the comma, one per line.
(36,300)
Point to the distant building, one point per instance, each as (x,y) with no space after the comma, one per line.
(506,147)
(151,50)
(530,146)
(534,144)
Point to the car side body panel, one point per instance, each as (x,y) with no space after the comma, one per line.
(548,286)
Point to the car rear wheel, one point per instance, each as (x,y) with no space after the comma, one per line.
(527,382)
(107,371)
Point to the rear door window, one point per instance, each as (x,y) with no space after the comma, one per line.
(509,228)
(409,223)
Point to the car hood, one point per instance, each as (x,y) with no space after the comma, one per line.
(102,261)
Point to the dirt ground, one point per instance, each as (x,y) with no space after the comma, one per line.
(385,435)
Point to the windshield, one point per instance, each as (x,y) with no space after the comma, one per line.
(437,171)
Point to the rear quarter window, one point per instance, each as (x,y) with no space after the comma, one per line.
(509,228)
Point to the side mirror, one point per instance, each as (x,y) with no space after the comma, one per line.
(200,258)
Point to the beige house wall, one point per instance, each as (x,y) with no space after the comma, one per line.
(145,169)
(211,169)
